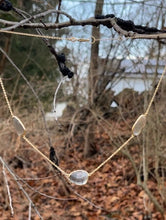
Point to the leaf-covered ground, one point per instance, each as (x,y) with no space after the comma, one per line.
(111,193)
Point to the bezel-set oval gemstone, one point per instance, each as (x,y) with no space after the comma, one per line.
(139,125)
(79,177)
(18,125)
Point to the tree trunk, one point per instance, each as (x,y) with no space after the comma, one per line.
(93,71)
(89,147)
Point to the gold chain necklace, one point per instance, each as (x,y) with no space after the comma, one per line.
(80,177)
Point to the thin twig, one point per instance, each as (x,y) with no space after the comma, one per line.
(8,190)
(43,14)
(20,187)
(45,195)
(32,89)
(86,200)
(30,211)
(56,92)
(152,198)
(59,8)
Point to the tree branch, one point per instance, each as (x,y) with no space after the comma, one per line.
(21,187)
(33,17)
(126,28)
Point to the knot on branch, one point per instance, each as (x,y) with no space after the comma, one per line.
(146,30)
(5,5)
(53,157)
(127,25)
(104,16)
(107,23)
(61,59)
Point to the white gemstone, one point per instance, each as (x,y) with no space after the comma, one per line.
(79,177)
(139,125)
(18,125)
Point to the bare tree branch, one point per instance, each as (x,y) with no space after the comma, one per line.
(126,28)
(43,14)
(20,187)
(8,190)
(59,8)
(32,89)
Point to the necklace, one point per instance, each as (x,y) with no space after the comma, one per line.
(80,177)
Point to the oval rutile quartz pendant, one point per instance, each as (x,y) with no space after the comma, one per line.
(139,125)
(79,177)
(18,125)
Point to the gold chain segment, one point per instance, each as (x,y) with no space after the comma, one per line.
(6,98)
(72,39)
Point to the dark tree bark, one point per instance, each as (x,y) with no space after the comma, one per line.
(89,147)
(93,76)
